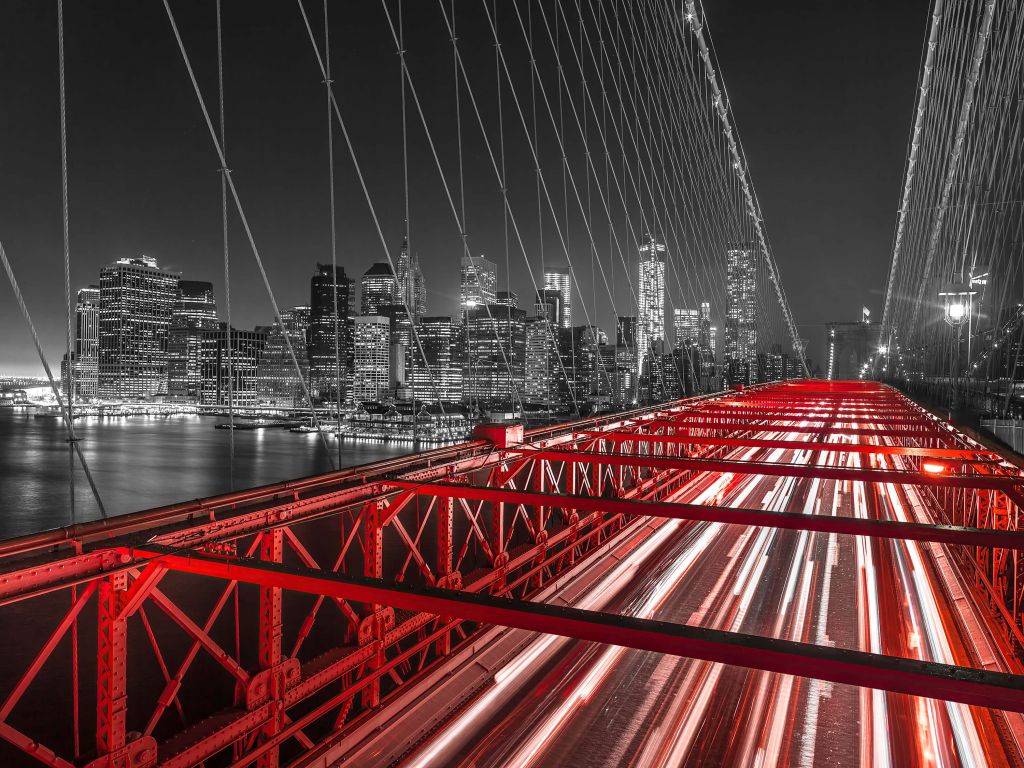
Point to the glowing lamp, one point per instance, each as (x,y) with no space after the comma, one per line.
(956,311)
(933,467)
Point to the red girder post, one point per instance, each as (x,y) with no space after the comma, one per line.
(540,535)
(271,551)
(373,566)
(111,668)
(445,507)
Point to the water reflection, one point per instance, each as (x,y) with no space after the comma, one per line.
(146,461)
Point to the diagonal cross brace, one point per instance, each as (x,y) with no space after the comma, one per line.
(891,673)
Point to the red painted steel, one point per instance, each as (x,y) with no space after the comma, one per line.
(248,628)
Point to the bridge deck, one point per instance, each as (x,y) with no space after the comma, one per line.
(273,623)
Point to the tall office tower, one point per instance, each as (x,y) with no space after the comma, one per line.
(560,279)
(611,376)
(704,340)
(412,287)
(549,305)
(194,311)
(578,348)
(245,349)
(440,377)
(543,371)
(507,299)
(377,288)
(741,314)
(279,383)
(650,297)
(136,301)
(626,358)
(324,323)
(477,283)
(196,306)
(401,342)
(687,327)
(371,372)
(496,355)
(83,368)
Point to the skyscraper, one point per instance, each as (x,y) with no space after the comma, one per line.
(549,305)
(650,297)
(279,384)
(371,369)
(412,288)
(83,368)
(136,301)
(477,283)
(323,324)
(496,355)
(543,370)
(194,311)
(440,378)
(740,356)
(560,279)
(687,327)
(626,358)
(378,287)
(246,348)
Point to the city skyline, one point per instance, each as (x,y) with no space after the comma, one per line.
(290,226)
(496,352)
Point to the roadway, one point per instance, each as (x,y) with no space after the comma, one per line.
(563,702)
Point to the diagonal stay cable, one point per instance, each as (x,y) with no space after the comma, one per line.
(245,225)
(49,375)
(373,211)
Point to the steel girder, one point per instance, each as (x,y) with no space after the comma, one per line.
(467,533)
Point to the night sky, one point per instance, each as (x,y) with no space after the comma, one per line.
(822,92)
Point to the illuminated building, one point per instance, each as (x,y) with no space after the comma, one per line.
(371,372)
(687,327)
(328,331)
(84,364)
(560,279)
(280,384)
(477,283)
(440,378)
(378,287)
(136,302)
(496,355)
(650,297)
(246,348)
(740,356)
(194,312)
(412,287)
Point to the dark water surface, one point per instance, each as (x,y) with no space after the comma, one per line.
(140,462)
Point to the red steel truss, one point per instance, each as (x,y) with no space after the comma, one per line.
(250,628)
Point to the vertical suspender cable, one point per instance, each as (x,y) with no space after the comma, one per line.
(408,284)
(328,84)
(227,267)
(362,184)
(69,378)
(915,144)
(966,110)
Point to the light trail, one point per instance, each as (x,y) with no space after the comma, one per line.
(796,585)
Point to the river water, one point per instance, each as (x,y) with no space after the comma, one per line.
(140,462)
